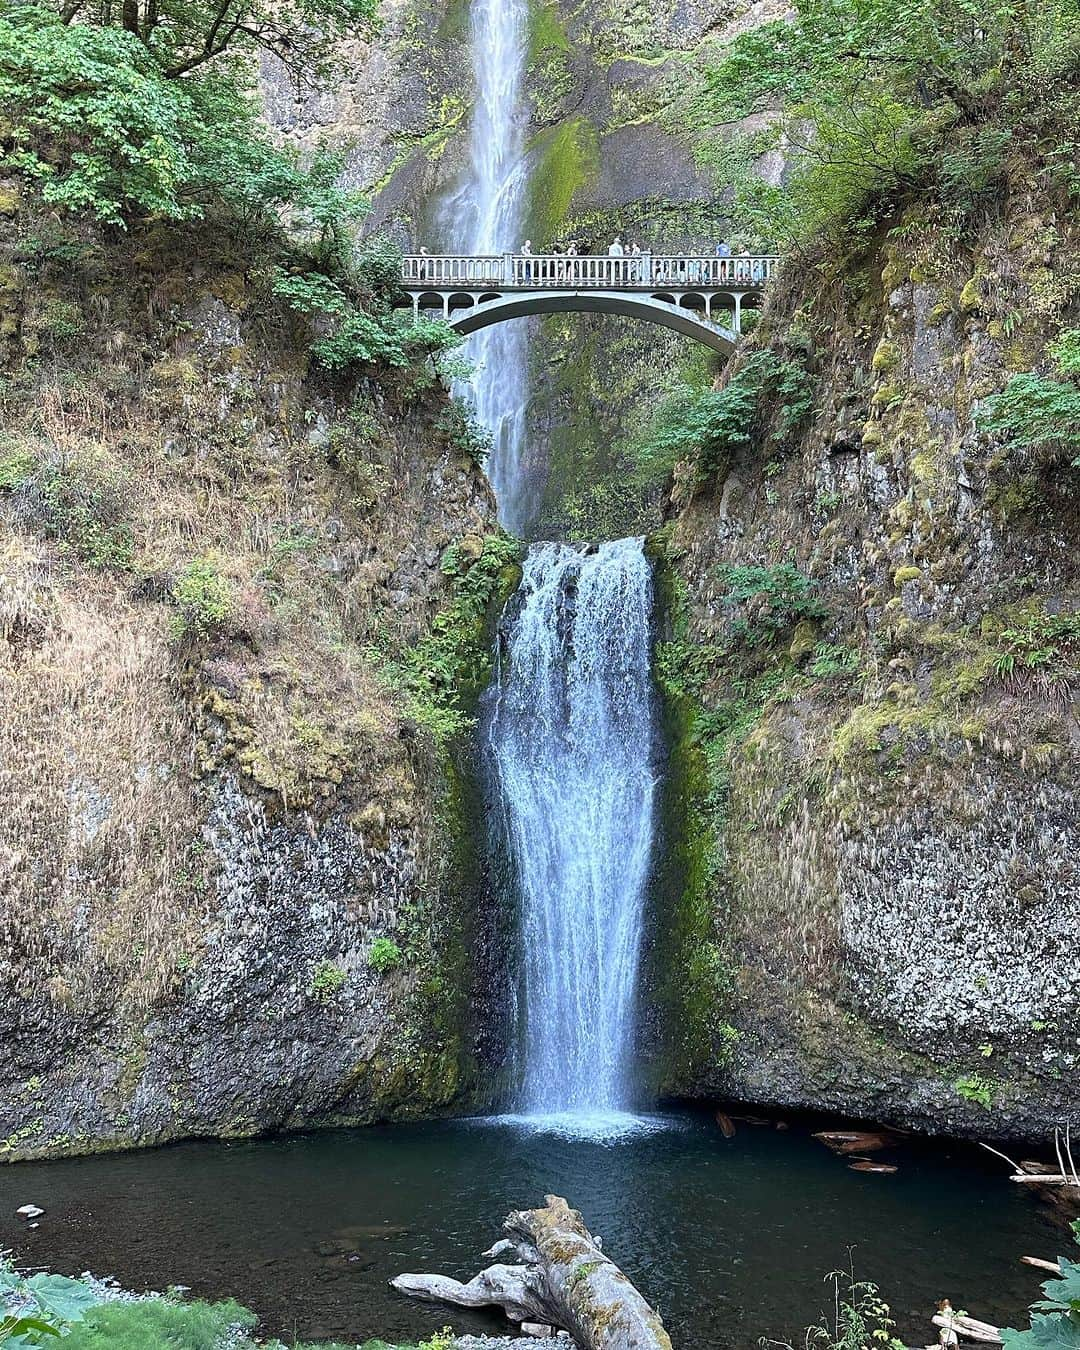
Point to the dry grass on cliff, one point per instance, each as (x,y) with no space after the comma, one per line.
(95,802)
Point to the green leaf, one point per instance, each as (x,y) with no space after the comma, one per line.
(1063,1293)
(24,1331)
(64,1298)
(1053,1331)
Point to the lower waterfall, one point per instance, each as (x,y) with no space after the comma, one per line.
(571,741)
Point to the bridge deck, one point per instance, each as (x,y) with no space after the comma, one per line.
(544,271)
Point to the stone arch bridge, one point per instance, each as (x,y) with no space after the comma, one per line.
(703,297)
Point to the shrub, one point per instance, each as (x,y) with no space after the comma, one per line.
(150,118)
(779,597)
(204,597)
(385,955)
(327,980)
(1036,413)
(16,466)
(80,503)
(977,1088)
(1055,1318)
(710,426)
(862,1318)
(459,424)
(157,1324)
(356,336)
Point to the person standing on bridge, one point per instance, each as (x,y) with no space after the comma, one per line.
(573,267)
(616,250)
(635,265)
(526,250)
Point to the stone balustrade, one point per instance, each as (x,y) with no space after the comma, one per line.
(544,271)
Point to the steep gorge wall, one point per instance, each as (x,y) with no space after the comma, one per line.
(234,861)
(874,814)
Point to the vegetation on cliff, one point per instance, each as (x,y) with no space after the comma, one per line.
(227,473)
(874,101)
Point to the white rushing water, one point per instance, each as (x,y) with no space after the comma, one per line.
(487,215)
(571,742)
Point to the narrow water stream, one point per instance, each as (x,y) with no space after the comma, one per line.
(571,740)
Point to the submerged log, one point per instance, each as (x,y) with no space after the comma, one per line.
(564,1280)
(857,1141)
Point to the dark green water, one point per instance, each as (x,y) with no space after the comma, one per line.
(729,1238)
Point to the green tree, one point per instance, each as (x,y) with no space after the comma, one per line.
(868,98)
(183,35)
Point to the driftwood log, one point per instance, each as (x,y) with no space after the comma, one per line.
(555,1273)
(967,1328)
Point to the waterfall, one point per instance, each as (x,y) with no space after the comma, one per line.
(487,215)
(571,745)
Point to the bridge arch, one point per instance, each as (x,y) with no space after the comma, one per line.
(668,313)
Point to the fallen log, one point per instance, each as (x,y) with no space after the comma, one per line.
(969,1328)
(564,1280)
(1041,1264)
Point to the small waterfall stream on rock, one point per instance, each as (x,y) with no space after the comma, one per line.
(486,215)
(571,746)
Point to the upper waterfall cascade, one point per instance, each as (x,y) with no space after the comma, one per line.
(571,741)
(488,211)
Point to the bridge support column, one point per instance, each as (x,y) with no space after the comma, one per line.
(738,312)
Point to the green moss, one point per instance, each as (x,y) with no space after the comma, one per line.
(1006,501)
(939,313)
(695,974)
(887,396)
(566,158)
(903,575)
(546,31)
(872,434)
(804,640)
(886,357)
(971,296)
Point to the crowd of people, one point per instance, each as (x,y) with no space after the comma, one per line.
(633,265)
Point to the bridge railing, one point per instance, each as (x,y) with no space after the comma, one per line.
(532,271)
(451,269)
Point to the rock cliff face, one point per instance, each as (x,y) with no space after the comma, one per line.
(876,751)
(233,861)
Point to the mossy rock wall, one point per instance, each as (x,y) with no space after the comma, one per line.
(211,815)
(886,798)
